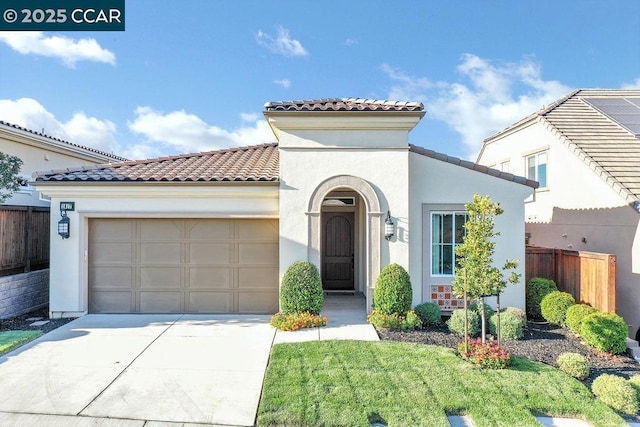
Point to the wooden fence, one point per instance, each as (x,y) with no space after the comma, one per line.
(590,277)
(24,239)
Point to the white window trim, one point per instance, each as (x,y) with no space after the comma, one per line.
(535,154)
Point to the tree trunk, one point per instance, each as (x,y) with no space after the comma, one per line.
(484,321)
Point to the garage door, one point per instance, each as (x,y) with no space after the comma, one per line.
(183,266)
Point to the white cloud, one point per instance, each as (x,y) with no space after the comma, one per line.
(631,85)
(249,117)
(182,132)
(350,42)
(70,51)
(282,44)
(486,99)
(83,130)
(285,83)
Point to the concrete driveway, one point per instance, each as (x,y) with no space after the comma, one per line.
(125,370)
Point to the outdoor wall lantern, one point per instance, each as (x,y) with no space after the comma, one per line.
(388,227)
(63,225)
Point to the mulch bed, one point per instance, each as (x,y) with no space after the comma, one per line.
(20,323)
(542,342)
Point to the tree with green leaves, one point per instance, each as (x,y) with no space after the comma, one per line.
(9,179)
(475,274)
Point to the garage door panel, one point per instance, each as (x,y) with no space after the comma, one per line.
(183,265)
(208,230)
(111,276)
(116,229)
(161,253)
(160,302)
(258,253)
(210,253)
(160,277)
(210,302)
(258,302)
(258,229)
(160,229)
(210,278)
(111,302)
(111,253)
(257,277)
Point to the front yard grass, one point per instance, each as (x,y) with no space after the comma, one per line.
(355,383)
(12,339)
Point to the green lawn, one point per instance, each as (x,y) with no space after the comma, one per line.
(354,383)
(12,339)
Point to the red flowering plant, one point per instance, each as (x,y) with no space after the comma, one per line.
(295,321)
(488,355)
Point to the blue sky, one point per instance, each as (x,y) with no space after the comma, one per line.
(194,75)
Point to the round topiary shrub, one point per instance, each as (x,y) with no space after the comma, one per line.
(635,383)
(301,289)
(605,332)
(511,326)
(393,293)
(488,310)
(537,289)
(456,322)
(574,364)
(616,392)
(517,312)
(575,314)
(554,306)
(429,313)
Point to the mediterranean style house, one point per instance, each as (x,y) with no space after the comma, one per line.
(584,150)
(215,231)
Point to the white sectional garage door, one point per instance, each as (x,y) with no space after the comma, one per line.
(183,265)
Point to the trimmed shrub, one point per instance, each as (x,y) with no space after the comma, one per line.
(517,312)
(635,383)
(429,313)
(605,332)
(456,323)
(574,364)
(394,321)
(537,289)
(393,293)
(511,326)
(301,289)
(488,310)
(616,392)
(575,314)
(554,306)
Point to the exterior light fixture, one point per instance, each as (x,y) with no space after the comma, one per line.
(63,225)
(388,227)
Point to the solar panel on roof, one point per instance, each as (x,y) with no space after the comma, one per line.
(624,111)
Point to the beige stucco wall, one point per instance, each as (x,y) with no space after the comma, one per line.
(437,182)
(41,154)
(68,272)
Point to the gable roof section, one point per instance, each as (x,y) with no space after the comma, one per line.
(604,144)
(472,166)
(42,137)
(257,163)
(343,104)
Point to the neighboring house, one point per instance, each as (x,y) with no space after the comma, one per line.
(215,232)
(40,152)
(584,150)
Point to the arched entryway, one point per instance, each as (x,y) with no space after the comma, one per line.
(360,222)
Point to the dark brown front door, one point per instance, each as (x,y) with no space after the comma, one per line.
(337,251)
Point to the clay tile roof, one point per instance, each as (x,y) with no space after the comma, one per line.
(473,166)
(343,104)
(62,142)
(255,163)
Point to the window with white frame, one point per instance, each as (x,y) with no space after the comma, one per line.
(447,232)
(537,168)
(504,166)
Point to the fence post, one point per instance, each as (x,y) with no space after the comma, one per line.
(27,240)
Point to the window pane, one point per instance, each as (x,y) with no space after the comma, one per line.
(447,259)
(531,167)
(461,219)
(542,169)
(436,267)
(447,228)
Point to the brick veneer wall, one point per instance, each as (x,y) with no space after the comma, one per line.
(21,293)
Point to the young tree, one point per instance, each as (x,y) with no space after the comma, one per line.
(475,274)
(9,180)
